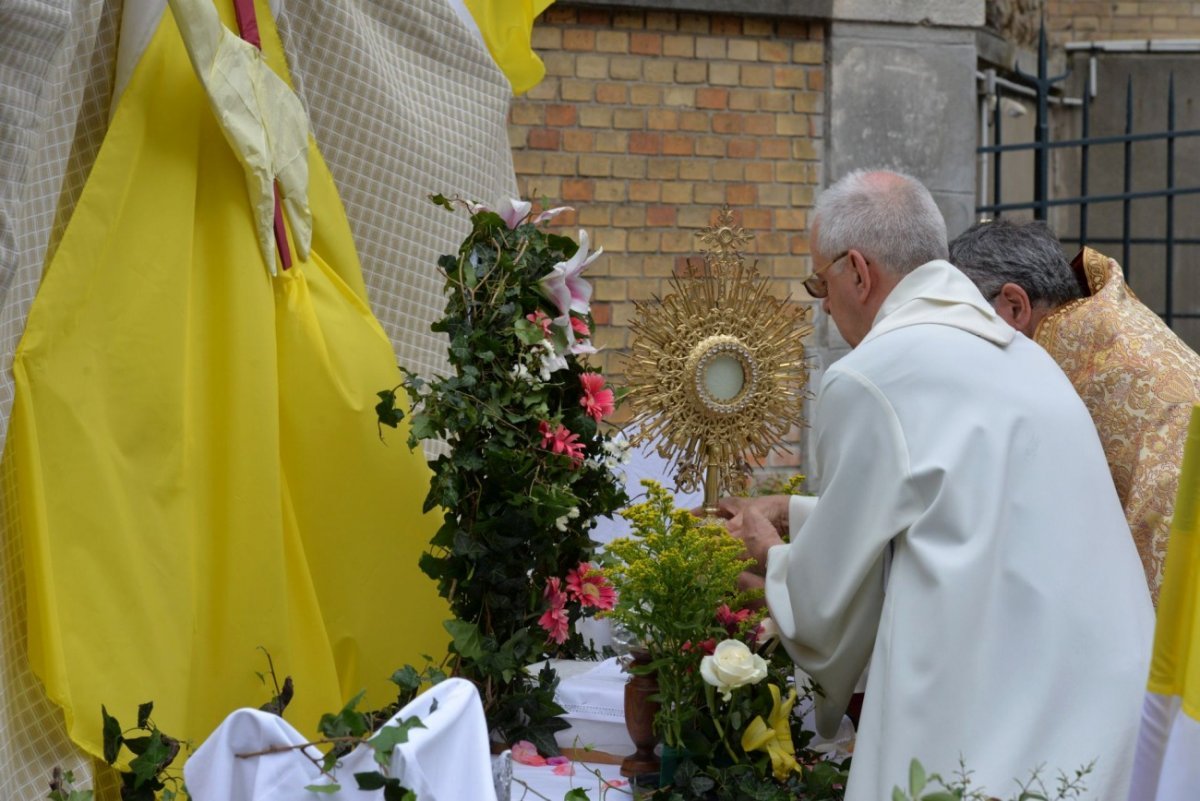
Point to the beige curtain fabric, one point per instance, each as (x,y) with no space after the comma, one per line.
(403,100)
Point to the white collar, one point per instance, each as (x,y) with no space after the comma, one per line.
(938,293)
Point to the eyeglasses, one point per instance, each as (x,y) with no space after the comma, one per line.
(816,285)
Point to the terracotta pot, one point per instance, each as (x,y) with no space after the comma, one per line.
(639,719)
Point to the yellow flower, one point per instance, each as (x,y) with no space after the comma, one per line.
(774,737)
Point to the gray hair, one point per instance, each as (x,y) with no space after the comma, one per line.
(1025,253)
(888,216)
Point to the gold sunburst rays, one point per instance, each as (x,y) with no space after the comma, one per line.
(717,370)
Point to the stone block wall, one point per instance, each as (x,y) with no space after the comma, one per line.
(648,122)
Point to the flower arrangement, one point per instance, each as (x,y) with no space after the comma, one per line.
(530,464)
(726,691)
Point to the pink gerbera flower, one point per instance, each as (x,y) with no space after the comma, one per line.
(561,440)
(597,401)
(588,585)
(541,320)
(554,620)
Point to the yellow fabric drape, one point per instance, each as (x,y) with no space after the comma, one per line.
(507,28)
(198,468)
(1175,666)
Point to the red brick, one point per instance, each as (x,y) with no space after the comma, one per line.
(741,194)
(677,145)
(595,16)
(728,123)
(712,98)
(578,141)
(662,216)
(560,115)
(646,44)
(579,39)
(612,93)
(760,172)
(544,139)
(775,148)
(727,26)
(559,14)
(601,313)
(662,120)
(759,124)
(644,191)
(577,189)
(742,149)
(756,219)
(649,144)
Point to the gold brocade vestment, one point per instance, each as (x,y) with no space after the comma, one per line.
(1138,381)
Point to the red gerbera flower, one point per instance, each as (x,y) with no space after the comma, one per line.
(597,401)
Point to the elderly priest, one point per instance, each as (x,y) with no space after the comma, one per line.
(968,542)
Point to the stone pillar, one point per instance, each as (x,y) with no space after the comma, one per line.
(902,96)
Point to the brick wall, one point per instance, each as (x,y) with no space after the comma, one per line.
(648,122)
(1072,21)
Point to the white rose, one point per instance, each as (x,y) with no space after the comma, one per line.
(732,665)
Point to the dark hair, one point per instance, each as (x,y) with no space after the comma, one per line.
(1025,253)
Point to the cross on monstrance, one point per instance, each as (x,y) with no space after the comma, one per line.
(717,370)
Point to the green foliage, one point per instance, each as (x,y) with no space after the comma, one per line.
(514,513)
(933,787)
(62,787)
(672,576)
(147,773)
(678,597)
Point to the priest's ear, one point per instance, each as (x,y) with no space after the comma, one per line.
(860,270)
(1013,304)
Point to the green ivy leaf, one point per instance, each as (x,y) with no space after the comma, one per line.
(324,789)
(144,711)
(148,763)
(577,794)
(137,745)
(347,723)
(440,200)
(391,736)
(423,427)
(407,678)
(527,332)
(112,736)
(372,780)
(386,409)
(394,792)
(467,640)
(916,778)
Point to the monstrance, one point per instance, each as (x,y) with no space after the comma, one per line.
(717,370)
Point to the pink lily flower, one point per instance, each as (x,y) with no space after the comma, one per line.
(512,211)
(565,285)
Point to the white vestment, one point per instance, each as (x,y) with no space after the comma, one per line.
(970,545)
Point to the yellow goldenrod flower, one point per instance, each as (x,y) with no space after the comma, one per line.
(775,736)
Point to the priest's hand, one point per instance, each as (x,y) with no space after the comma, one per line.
(773,507)
(758,534)
(750,582)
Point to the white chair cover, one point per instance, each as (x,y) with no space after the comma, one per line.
(448,760)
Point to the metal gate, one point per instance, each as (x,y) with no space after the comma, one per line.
(1039,88)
